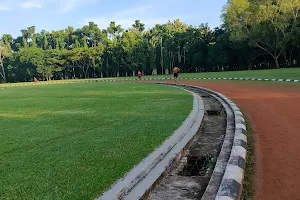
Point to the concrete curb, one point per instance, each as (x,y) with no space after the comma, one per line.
(226,182)
(140,179)
(232,181)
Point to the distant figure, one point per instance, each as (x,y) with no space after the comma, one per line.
(35,80)
(140,75)
(175,73)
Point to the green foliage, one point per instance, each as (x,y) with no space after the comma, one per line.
(255,35)
(268,25)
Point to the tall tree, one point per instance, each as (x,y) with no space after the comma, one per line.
(139,26)
(114,30)
(268,25)
(5,52)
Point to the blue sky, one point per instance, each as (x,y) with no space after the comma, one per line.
(58,14)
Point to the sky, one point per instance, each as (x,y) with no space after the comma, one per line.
(59,14)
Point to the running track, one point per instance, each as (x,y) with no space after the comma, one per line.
(274,113)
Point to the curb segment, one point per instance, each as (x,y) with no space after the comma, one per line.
(232,180)
(229,171)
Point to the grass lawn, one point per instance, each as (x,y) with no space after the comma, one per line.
(74,141)
(285,73)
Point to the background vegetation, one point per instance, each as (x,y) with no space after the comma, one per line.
(256,34)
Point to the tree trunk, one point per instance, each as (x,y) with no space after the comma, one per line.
(184,56)
(3,73)
(107,68)
(179,55)
(290,56)
(249,66)
(154,71)
(166,71)
(277,63)
(274,55)
(126,74)
(133,73)
(265,62)
(101,74)
(84,74)
(170,63)
(118,74)
(285,58)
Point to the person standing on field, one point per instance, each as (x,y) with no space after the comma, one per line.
(175,73)
(140,75)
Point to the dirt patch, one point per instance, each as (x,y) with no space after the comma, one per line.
(274,113)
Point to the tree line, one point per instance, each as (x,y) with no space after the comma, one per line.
(255,34)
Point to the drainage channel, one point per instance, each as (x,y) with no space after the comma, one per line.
(189,177)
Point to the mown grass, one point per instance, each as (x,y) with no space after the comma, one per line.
(284,73)
(74,141)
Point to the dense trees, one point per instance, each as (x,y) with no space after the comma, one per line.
(256,34)
(269,25)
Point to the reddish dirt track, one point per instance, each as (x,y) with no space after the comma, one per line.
(274,113)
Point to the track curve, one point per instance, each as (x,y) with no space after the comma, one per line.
(274,112)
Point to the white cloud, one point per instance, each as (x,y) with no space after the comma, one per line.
(4,8)
(136,10)
(68,5)
(127,17)
(31,4)
(62,6)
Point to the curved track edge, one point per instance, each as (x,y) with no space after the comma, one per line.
(229,171)
(227,179)
(232,181)
(138,181)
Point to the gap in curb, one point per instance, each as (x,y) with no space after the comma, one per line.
(205,96)
(213,112)
(198,165)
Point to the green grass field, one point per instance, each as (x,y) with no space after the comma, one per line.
(285,73)
(74,141)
